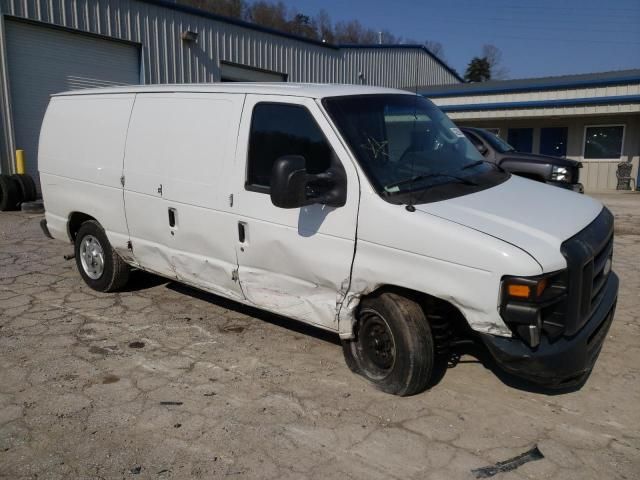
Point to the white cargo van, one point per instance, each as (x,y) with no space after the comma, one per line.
(360,210)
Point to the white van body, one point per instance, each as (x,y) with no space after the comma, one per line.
(128,156)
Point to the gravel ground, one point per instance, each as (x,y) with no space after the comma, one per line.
(163,381)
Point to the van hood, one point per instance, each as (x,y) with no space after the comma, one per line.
(530,215)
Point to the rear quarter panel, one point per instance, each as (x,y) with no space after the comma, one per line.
(80,157)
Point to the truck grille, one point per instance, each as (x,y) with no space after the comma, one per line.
(588,256)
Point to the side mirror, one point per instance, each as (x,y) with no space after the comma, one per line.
(293,187)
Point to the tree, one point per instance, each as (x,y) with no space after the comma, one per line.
(436,48)
(303,25)
(479,70)
(353,32)
(226,8)
(271,15)
(494,57)
(324,26)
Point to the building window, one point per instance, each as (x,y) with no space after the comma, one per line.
(603,142)
(553,141)
(521,139)
(279,129)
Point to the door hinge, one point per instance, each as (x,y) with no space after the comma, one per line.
(122,180)
(234,275)
(231,200)
(129,245)
(160,190)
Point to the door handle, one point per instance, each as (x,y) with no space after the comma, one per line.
(241,232)
(172,217)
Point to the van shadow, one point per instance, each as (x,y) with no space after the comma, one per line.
(479,353)
(140,280)
(311,218)
(272,318)
(468,351)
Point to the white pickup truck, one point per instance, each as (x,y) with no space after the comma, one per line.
(360,210)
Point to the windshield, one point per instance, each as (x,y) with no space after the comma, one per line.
(495,141)
(406,144)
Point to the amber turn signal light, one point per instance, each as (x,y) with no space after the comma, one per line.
(520,291)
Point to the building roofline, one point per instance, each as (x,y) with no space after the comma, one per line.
(568,102)
(234,21)
(252,26)
(600,79)
(424,48)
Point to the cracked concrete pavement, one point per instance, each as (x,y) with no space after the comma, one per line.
(162,381)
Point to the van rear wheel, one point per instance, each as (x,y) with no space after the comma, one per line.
(99,265)
(393,346)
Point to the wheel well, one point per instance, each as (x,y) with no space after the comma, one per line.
(76,219)
(447,322)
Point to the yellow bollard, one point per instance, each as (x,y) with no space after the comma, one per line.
(20,161)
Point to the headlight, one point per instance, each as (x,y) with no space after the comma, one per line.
(560,174)
(531,306)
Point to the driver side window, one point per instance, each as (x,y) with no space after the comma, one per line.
(279,129)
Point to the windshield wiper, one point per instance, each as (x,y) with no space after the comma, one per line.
(417,178)
(474,164)
(480,162)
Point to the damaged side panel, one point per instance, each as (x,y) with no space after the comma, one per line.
(293,261)
(428,254)
(294,274)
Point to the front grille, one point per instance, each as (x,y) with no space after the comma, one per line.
(588,254)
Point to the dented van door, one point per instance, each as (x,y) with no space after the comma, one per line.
(295,262)
(180,146)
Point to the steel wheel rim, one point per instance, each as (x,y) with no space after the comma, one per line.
(92,257)
(376,345)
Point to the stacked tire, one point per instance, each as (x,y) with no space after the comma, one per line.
(16,190)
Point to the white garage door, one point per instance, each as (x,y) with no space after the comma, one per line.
(44,60)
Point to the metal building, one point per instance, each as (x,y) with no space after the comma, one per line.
(47,46)
(593,118)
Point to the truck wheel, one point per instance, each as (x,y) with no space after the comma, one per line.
(394,347)
(9,194)
(27,186)
(99,265)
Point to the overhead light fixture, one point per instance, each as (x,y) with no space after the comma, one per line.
(189,36)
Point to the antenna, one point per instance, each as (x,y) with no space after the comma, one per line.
(410,207)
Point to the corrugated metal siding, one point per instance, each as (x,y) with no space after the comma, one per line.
(515,113)
(560,94)
(399,68)
(167,59)
(43,61)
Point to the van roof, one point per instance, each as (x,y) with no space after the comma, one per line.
(312,90)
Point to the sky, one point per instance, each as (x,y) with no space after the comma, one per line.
(537,37)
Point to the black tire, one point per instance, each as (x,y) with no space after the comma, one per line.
(27,186)
(10,197)
(115,272)
(391,325)
(32,207)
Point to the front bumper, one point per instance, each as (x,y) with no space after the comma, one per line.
(566,361)
(574,187)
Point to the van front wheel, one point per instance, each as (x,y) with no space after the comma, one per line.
(99,265)
(393,345)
